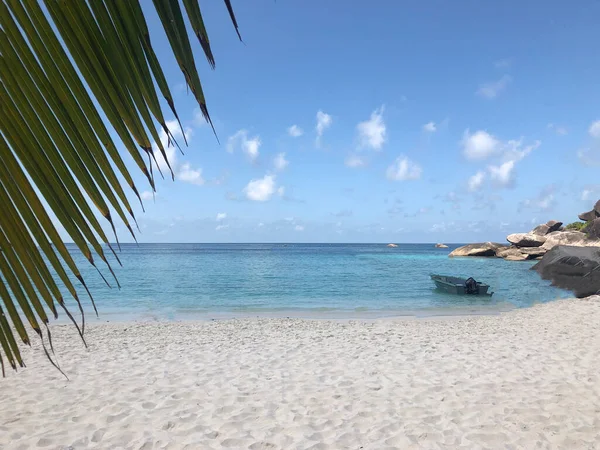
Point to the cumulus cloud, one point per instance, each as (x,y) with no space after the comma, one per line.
(183,171)
(490,90)
(324,121)
(479,145)
(403,169)
(503,63)
(594,129)
(295,131)
(590,192)
(147,195)
(430,127)
(476,181)
(249,145)
(372,132)
(558,129)
(280,162)
(543,202)
(221,216)
(261,189)
(354,161)
(502,175)
(189,175)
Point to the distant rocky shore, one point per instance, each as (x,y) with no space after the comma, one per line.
(543,238)
(570,256)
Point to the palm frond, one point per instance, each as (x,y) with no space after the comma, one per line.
(64,66)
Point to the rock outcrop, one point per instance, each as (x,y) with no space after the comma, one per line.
(480,249)
(593,229)
(572,268)
(441,246)
(526,239)
(392,245)
(536,243)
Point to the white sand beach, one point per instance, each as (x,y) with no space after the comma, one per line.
(525,379)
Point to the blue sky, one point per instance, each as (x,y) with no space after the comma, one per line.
(407,121)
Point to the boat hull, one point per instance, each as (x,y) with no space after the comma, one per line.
(456,286)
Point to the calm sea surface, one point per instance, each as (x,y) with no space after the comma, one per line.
(187,281)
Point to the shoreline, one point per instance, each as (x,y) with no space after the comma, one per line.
(298,313)
(528,378)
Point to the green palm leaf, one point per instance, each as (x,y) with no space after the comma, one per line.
(70,71)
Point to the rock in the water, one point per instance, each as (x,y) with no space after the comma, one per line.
(588,216)
(553,225)
(576,269)
(516,257)
(441,246)
(392,245)
(508,251)
(593,229)
(526,239)
(480,249)
(541,230)
(575,238)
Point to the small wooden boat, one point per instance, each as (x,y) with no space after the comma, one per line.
(461,286)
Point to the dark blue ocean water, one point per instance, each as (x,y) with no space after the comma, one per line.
(179,281)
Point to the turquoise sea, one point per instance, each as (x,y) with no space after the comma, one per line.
(190,281)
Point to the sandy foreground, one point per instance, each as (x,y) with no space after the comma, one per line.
(525,379)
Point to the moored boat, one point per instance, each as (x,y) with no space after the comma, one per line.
(461,286)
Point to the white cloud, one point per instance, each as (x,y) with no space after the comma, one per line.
(221,216)
(147,195)
(281,191)
(183,171)
(403,169)
(221,227)
(260,225)
(295,131)
(590,192)
(372,132)
(354,161)
(589,156)
(476,181)
(479,145)
(170,150)
(594,129)
(260,190)
(189,175)
(491,89)
(503,63)
(544,201)
(249,145)
(324,121)
(430,127)
(299,228)
(503,175)
(280,162)
(559,130)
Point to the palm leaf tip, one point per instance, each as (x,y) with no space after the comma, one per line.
(69,72)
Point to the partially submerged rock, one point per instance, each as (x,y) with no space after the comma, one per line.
(576,269)
(526,239)
(441,246)
(392,245)
(479,249)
